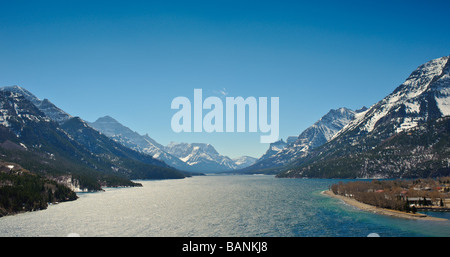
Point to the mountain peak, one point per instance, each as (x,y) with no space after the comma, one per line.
(281,141)
(421,78)
(20,90)
(202,157)
(47,107)
(106,119)
(342,109)
(281,153)
(416,106)
(244,161)
(422,97)
(362,109)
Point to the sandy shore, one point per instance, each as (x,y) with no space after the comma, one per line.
(394,213)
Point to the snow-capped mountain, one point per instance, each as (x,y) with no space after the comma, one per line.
(45,105)
(422,98)
(131,139)
(325,128)
(30,138)
(188,157)
(281,153)
(16,112)
(275,148)
(244,161)
(201,157)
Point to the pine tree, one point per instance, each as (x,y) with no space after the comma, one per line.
(406,207)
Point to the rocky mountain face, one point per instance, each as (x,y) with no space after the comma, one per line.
(281,153)
(40,144)
(421,100)
(244,161)
(201,157)
(195,157)
(205,158)
(403,135)
(275,148)
(422,97)
(48,108)
(422,151)
(133,140)
(122,160)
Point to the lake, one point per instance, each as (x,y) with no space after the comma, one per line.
(215,206)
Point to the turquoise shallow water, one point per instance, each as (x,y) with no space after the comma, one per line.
(215,206)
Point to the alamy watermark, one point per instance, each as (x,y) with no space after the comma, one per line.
(213,121)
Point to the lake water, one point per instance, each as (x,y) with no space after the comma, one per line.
(212,206)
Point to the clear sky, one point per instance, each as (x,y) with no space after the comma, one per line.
(129,59)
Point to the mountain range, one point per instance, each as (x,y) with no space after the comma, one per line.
(131,139)
(194,157)
(46,154)
(281,153)
(403,135)
(48,108)
(343,143)
(45,140)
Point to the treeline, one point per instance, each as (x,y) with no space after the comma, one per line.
(25,191)
(390,194)
(369,193)
(41,164)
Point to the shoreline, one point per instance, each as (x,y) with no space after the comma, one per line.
(383,211)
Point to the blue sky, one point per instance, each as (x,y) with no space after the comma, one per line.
(129,59)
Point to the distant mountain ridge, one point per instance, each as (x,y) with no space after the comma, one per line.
(192,157)
(244,161)
(202,157)
(131,139)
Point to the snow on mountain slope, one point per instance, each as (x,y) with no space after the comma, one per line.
(423,96)
(280,153)
(201,157)
(274,148)
(16,110)
(244,161)
(366,146)
(131,139)
(183,156)
(45,105)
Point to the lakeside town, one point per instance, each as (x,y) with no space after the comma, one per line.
(407,196)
